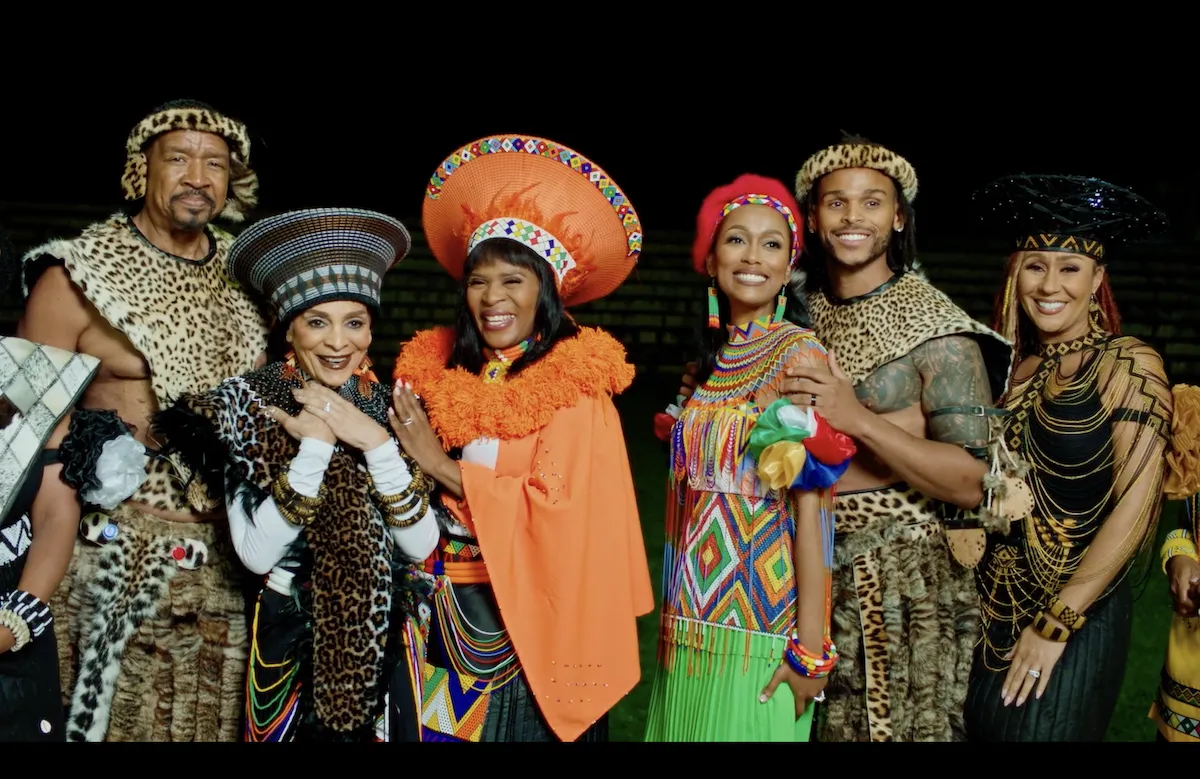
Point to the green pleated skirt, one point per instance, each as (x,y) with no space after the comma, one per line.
(707,684)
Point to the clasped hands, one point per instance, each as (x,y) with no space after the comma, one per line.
(327,416)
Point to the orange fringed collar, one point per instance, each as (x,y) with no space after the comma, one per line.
(463,408)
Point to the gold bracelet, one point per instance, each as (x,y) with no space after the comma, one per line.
(297,509)
(1072,619)
(1052,632)
(391,518)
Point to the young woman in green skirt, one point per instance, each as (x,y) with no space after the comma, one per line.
(744,645)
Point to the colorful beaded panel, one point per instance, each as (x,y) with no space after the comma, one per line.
(767,200)
(553,151)
(537,238)
(737,568)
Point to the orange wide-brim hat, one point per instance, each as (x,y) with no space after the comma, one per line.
(539,193)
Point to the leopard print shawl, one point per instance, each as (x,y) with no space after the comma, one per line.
(225,435)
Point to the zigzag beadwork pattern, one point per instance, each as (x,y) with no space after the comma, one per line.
(552,151)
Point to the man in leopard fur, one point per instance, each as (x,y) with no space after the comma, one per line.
(912,379)
(152,628)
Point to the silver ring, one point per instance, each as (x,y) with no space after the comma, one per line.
(812,400)
(1035,673)
(327,407)
(406,421)
(820,697)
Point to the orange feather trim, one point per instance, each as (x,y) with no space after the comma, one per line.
(462,408)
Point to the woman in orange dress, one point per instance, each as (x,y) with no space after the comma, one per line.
(529,602)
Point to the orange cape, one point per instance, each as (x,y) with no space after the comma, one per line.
(557,520)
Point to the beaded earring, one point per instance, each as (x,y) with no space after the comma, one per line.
(365,377)
(290,371)
(1094,313)
(780,305)
(714,310)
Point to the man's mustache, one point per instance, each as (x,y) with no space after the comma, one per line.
(195,193)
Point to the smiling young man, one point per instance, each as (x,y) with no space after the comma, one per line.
(910,379)
(152,632)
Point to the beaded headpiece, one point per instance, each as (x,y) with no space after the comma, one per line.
(300,259)
(1072,214)
(543,195)
(746,189)
(185,115)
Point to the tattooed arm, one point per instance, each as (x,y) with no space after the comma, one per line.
(952,376)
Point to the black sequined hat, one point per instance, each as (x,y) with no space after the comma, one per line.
(302,258)
(1072,214)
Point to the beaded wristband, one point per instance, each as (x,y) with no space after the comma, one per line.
(31,609)
(1178,542)
(804,663)
(1070,618)
(1050,632)
(20,631)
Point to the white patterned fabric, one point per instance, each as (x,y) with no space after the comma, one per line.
(43,383)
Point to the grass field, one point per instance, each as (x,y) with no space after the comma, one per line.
(650,393)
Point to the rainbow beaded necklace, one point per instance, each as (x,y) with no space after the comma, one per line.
(499,361)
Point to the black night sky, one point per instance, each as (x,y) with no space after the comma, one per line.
(356,146)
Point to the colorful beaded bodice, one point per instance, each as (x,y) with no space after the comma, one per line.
(728,555)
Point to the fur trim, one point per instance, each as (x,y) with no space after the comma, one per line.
(133,574)
(857,155)
(799,278)
(242,195)
(462,408)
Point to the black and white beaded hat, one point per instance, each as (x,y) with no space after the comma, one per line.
(300,259)
(1075,214)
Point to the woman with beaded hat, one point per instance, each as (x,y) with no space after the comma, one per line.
(541,570)
(321,501)
(749,542)
(1089,414)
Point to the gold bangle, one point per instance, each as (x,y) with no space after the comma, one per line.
(392,520)
(1072,619)
(297,509)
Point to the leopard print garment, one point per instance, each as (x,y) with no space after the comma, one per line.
(193,324)
(350,543)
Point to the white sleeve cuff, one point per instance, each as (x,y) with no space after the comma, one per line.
(389,472)
(307,470)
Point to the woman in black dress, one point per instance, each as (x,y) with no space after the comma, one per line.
(1089,414)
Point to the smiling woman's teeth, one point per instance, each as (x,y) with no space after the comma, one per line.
(749,277)
(334,362)
(1048,307)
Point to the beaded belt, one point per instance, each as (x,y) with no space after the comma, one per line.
(469,572)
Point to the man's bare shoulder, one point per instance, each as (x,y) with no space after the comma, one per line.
(56,311)
(955,385)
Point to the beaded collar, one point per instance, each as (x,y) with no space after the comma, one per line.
(1063,348)
(500,360)
(754,329)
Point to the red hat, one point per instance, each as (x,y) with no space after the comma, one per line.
(747,189)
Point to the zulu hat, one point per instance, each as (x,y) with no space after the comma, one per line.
(541,194)
(1075,214)
(300,259)
(190,115)
(856,152)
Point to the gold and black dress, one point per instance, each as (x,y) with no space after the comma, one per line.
(1094,441)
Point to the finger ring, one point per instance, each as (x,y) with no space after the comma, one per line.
(812,400)
(327,407)
(820,697)
(406,421)
(1036,674)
